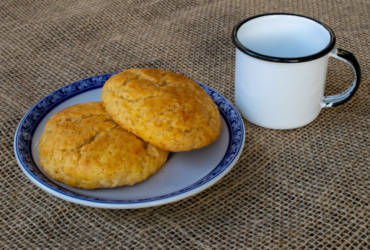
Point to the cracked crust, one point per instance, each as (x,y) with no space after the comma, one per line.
(83,147)
(165,109)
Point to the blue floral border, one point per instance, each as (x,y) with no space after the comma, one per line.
(29,123)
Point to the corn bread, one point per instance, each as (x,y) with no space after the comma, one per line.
(83,147)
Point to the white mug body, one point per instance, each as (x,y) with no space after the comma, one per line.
(279,95)
(280,69)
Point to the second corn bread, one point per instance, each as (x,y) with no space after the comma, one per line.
(168,110)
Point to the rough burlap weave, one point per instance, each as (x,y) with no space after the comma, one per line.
(307,188)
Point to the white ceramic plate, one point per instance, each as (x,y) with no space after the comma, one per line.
(183,175)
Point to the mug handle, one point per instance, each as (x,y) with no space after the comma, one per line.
(348,57)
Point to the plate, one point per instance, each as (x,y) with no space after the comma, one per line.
(183,175)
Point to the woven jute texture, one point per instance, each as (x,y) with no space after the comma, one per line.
(307,188)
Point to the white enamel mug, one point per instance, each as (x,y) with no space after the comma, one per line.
(280,69)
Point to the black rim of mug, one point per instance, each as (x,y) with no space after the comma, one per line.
(249,52)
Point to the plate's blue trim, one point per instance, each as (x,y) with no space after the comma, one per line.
(29,123)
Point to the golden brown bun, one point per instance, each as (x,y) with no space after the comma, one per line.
(165,109)
(83,147)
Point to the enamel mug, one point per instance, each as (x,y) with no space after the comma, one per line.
(280,69)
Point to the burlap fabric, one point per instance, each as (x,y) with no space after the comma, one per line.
(307,188)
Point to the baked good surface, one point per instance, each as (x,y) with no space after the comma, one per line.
(83,147)
(165,109)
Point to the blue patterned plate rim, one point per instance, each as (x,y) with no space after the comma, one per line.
(29,123)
